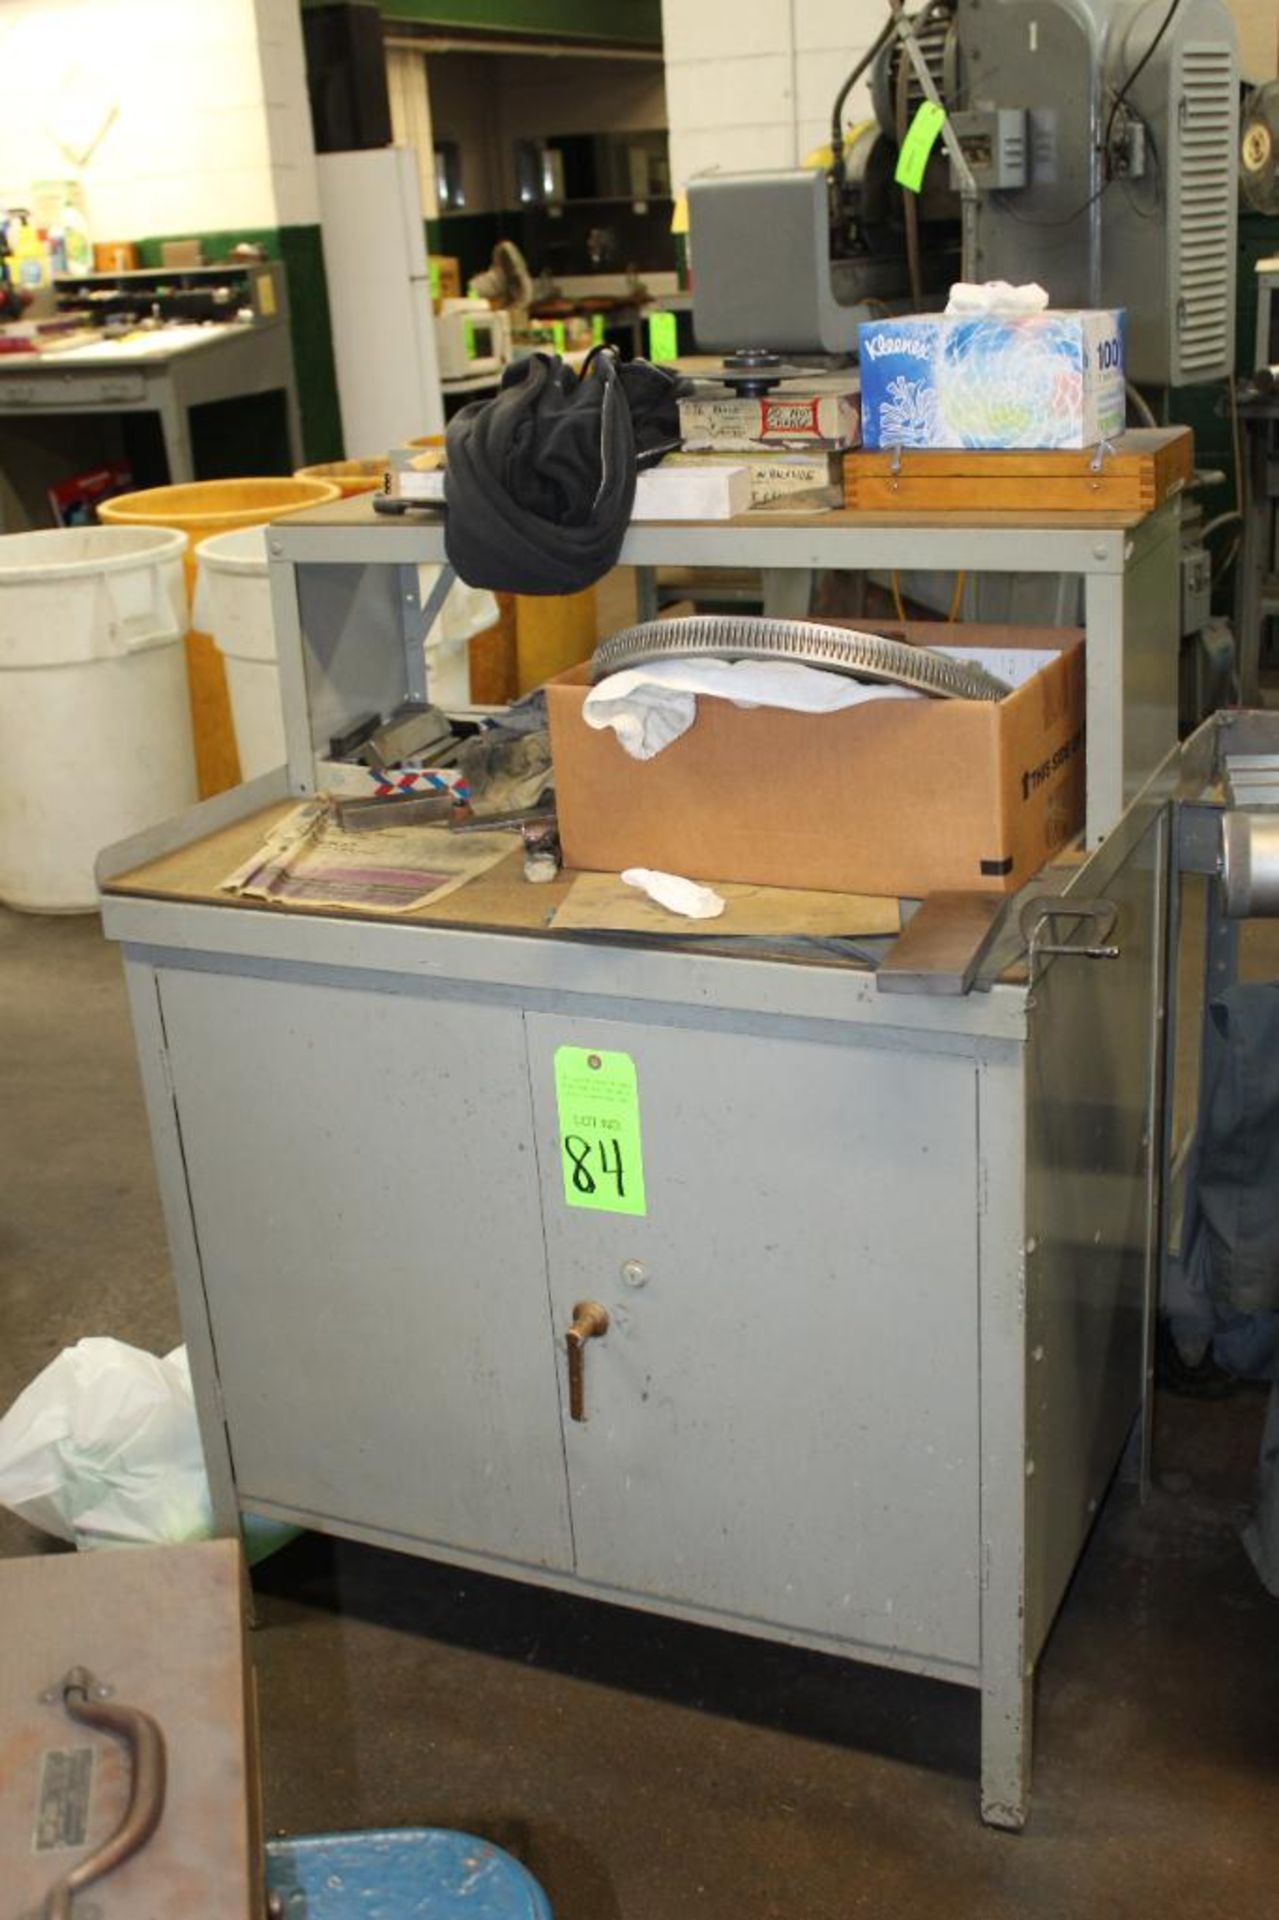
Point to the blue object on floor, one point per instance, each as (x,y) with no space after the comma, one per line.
(407,1873)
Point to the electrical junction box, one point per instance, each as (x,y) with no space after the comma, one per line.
(993,140)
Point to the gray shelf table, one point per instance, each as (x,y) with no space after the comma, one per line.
(1129,564)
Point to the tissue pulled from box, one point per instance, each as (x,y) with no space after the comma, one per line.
(996,296)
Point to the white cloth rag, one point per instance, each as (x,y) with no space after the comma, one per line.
(648,707)
(996,296)
(677,895)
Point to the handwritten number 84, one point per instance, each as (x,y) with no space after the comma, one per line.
(609,1155)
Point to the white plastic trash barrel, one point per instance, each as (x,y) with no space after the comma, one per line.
(233,603)
(95,725)
(467,611)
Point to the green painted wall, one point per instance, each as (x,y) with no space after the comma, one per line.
(636,21)
(300,250)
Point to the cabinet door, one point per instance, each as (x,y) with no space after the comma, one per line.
(781,1420)
(362,1177)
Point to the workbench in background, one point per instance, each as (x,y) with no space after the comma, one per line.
(63,411)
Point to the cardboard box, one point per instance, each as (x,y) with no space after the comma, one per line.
(993,380)
(797,479)
(181,253)
(712,492)
(822,414)
(895,797)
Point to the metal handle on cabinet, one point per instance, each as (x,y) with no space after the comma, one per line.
(83,1700)
(1038,914)
(590,1322)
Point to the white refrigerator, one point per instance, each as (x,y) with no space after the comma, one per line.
(379,298)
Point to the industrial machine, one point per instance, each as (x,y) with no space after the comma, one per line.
(1259,150)
(1089,144)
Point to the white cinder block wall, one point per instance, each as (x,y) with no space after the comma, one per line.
(203,105)
(750,83)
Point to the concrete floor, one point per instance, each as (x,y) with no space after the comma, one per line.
(645,1770)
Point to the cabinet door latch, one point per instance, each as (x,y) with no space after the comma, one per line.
(590,1322)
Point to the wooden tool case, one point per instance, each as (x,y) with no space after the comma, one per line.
(155,1632)
(1134,473)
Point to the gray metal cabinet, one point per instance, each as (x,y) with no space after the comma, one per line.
(875,1345)
(782,1417)
(383,1340)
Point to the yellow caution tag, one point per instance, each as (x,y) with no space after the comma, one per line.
(921,138)
(663,337)
(597,1098)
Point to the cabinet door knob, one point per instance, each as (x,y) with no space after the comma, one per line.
(590,1321)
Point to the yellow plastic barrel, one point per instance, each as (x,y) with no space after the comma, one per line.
(201,508)
(552,633)
(493,657)
(348,476)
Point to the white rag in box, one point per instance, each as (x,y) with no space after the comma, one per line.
(649,707)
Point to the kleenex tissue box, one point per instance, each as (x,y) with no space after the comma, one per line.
(993,380)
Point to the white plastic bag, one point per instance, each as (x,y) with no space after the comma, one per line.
(103,1449)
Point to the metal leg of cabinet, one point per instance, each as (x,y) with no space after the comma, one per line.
(646,607)
(1006,1672)
(788,592)
(1131,624)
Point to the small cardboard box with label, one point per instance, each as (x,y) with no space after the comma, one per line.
(819,413)
(993,379)
(903,797)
